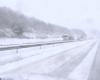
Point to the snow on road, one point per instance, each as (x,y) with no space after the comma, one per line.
(12,55)
(95,70)
(41,53)
(15,41)
(49,64)
(83,70)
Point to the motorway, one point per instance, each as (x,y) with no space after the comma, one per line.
(95,70)
(63,61)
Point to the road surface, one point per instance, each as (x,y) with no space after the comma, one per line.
(95,70)
(69,61)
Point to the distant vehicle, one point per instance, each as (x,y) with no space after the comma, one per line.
(67,37)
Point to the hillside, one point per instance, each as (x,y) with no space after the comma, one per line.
(15,25)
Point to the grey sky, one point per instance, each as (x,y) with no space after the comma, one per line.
(84,14)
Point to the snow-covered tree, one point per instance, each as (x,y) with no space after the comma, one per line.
(78,34)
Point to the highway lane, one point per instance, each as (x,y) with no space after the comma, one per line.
(9,56)
(83,70)
(95,70)
(56,66)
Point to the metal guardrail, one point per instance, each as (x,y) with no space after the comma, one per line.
(29,45)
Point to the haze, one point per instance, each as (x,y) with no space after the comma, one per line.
(83,14)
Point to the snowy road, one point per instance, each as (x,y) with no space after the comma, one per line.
(21,53)
(95,70)
(67,61)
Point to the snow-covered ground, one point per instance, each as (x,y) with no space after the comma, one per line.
(36,52)
(16,54)
(83,70)
(53,62)
(15,41)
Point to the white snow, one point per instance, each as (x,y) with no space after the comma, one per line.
(31,55)
(83,70)
(14,41)
(40,54)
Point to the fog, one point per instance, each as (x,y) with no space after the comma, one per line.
(83,14)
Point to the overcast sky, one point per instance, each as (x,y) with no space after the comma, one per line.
(84,14)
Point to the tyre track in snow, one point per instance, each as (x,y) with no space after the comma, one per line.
(63,68)
(95,70)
